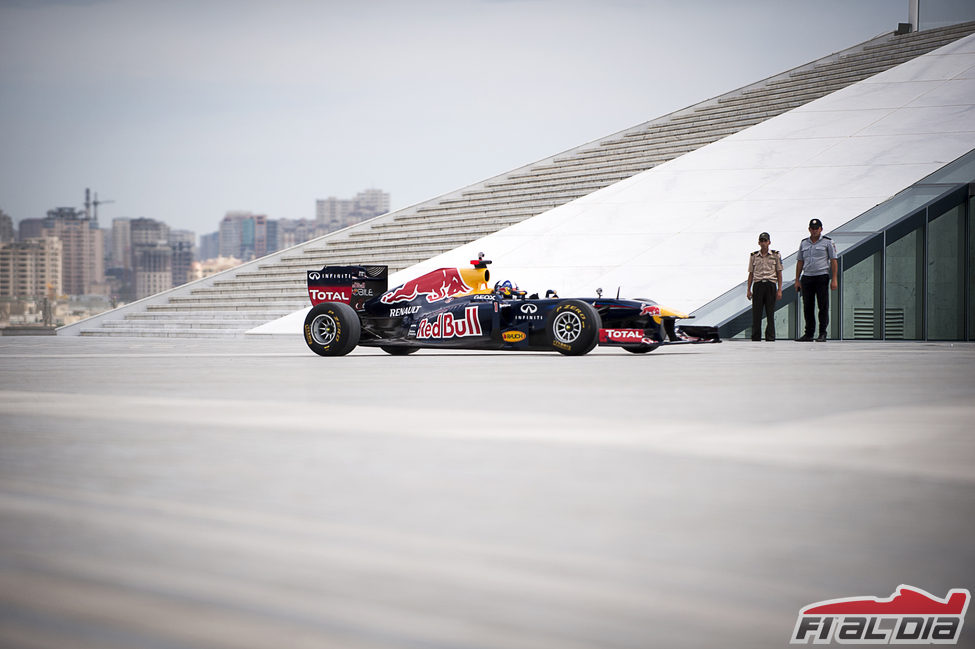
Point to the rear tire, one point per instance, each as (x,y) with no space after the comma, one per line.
(332,329)
(573,327)
(398,350)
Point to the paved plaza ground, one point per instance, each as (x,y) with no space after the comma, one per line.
(247,493)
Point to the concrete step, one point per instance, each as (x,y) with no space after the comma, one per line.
(262,300)
(282,308)
(245,293)
(164,333)
(183,323)
(230,318)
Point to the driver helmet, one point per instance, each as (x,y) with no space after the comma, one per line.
(505,289)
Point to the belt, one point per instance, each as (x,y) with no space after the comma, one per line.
(764,281)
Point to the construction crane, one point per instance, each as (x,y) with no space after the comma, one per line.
(89,204)
(95,203)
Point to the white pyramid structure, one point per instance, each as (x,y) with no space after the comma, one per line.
(680,233)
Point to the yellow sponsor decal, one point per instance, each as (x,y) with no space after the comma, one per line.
(512,336)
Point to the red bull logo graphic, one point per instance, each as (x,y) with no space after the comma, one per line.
(436,286)
(446,326)
(909,616)
(650,309)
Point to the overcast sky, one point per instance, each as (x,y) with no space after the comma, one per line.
(183,110)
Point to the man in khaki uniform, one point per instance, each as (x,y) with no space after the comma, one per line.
(764,286)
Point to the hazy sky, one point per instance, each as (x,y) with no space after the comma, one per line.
(182,110)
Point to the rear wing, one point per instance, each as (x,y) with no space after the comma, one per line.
(353,285)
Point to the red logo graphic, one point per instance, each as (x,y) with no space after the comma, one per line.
(436,285)
(650,309)
(319,294)
(622,336)
(909,616)
(445,326)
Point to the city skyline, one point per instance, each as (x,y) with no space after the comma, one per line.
(183,112)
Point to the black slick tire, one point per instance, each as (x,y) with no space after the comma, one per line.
(332,329)
(573,327)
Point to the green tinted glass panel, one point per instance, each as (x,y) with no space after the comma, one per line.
(946,275)
(904,281)
(971,269)
(862,308)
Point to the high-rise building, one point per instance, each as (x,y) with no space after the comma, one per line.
(234,236)
(291,232)
(183,245)
(271,239)
(121,243)
(30,229)
(6,228)
(31,269)
(331,213)
(247,236)
(153,268)
(337,213)
(82,255)
(148,231)
(209,246)
(152,257)
(371,202)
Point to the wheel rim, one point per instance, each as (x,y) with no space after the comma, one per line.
(567,327)
(324,329)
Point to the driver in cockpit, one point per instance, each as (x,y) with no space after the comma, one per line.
(508,290)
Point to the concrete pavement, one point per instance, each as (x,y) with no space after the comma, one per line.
(247,493)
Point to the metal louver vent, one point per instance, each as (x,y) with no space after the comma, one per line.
(863,323)
(894,323)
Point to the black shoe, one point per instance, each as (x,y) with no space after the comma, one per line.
(821,339)
(805,339)
(770,340)
(756,340)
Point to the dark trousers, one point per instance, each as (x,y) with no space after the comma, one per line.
(815,287)
(763,299)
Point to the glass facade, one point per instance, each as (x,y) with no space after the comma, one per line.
(941,13)
(946,275)
(903,308)
(862,281)
(971,269)
(907,270)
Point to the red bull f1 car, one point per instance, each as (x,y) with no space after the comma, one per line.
(454,308)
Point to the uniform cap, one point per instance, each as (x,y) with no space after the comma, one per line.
(815,224)
(764,237)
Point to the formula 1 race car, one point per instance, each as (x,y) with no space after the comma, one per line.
(453,308)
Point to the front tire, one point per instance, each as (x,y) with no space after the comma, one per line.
(332,329)
(573,327)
